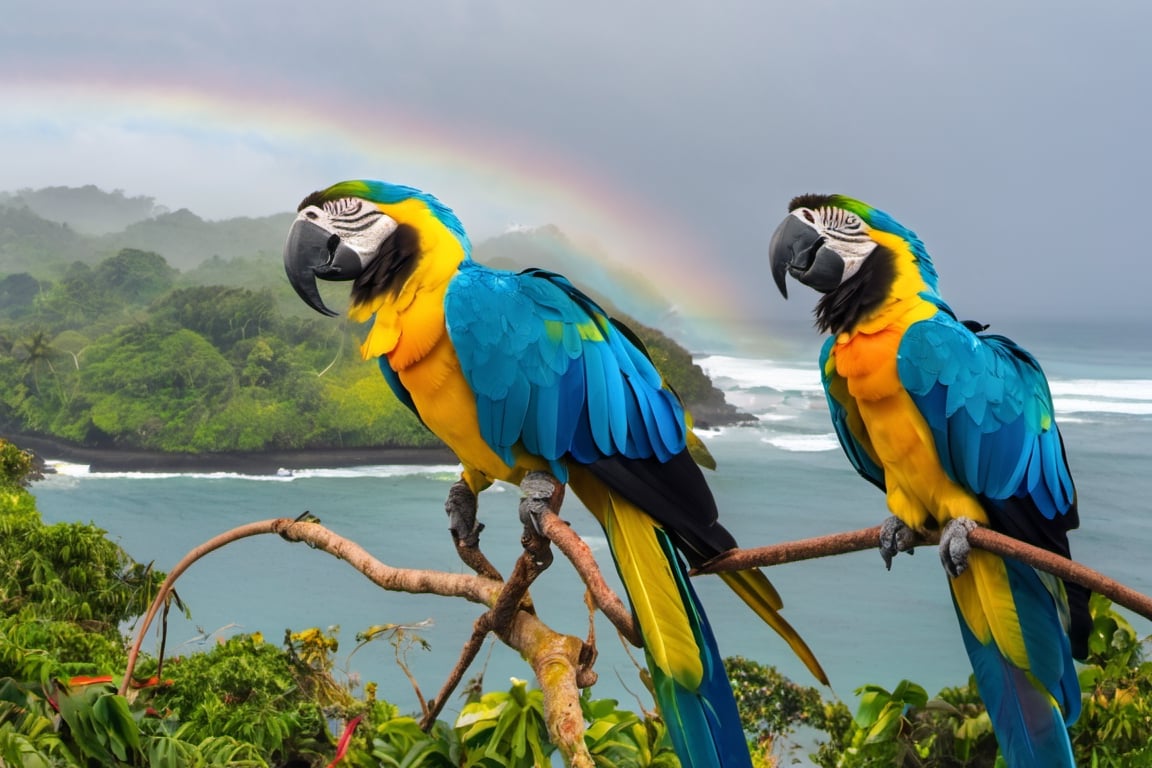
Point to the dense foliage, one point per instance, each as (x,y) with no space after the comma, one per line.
(907,729)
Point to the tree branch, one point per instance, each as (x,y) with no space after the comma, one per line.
(982,538)
(555,658)
(582,559)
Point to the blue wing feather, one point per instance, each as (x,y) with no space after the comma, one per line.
(552,374)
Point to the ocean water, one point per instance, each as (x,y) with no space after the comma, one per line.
(781,478)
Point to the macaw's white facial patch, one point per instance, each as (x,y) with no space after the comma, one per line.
(844,232)
(359,224)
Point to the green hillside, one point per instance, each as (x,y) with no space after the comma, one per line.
(178,334)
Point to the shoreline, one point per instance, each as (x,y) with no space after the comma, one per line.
(247,462)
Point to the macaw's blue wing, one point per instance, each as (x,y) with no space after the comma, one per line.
(846,419)
(990,411)
(553,376)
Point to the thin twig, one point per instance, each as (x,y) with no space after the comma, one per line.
(496,619)
(240,532)
(472,646)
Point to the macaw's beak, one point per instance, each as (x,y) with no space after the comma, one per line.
(797,248)
(313,252)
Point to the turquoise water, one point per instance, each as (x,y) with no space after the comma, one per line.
(780,479)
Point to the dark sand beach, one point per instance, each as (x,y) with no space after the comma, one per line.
(249,463)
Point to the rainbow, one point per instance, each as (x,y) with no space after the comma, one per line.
(491,182)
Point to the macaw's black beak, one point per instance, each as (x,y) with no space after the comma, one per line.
(313,252)
(798,249)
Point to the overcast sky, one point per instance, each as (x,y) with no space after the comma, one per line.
(1012,136)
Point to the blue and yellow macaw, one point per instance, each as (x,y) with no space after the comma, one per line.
(520,372)
(957,428)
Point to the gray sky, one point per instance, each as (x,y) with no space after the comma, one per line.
(1012,136)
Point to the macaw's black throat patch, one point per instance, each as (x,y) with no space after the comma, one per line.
(858,296)
(394,263)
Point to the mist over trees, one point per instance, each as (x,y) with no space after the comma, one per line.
(86,209)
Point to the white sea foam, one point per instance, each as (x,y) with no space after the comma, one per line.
(380,470)
(804,443)
(774,416)
(750,373)
(1119,396)
(1086,405)
(66,469)
(1109,389)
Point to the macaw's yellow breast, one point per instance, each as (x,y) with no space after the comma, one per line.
(896,434)
(919,490)
(405,327)
(447,406)
(867,362)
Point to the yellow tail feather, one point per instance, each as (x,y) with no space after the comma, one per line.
(754,589)
(655,597)
(987,605)
(653,592)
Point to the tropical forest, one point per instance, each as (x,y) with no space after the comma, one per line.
(180,335)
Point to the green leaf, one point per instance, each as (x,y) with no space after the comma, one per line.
(885,727)
(873,701)
(910,693)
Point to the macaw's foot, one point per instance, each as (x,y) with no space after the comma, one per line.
(465,529)
(541,494)
(954,546)
(895,537)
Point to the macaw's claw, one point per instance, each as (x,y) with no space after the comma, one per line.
(465,529)
(895,537)
(541,493)
(461,509)
(954,546)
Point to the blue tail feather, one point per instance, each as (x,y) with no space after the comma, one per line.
(704,724)
(1025,707)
